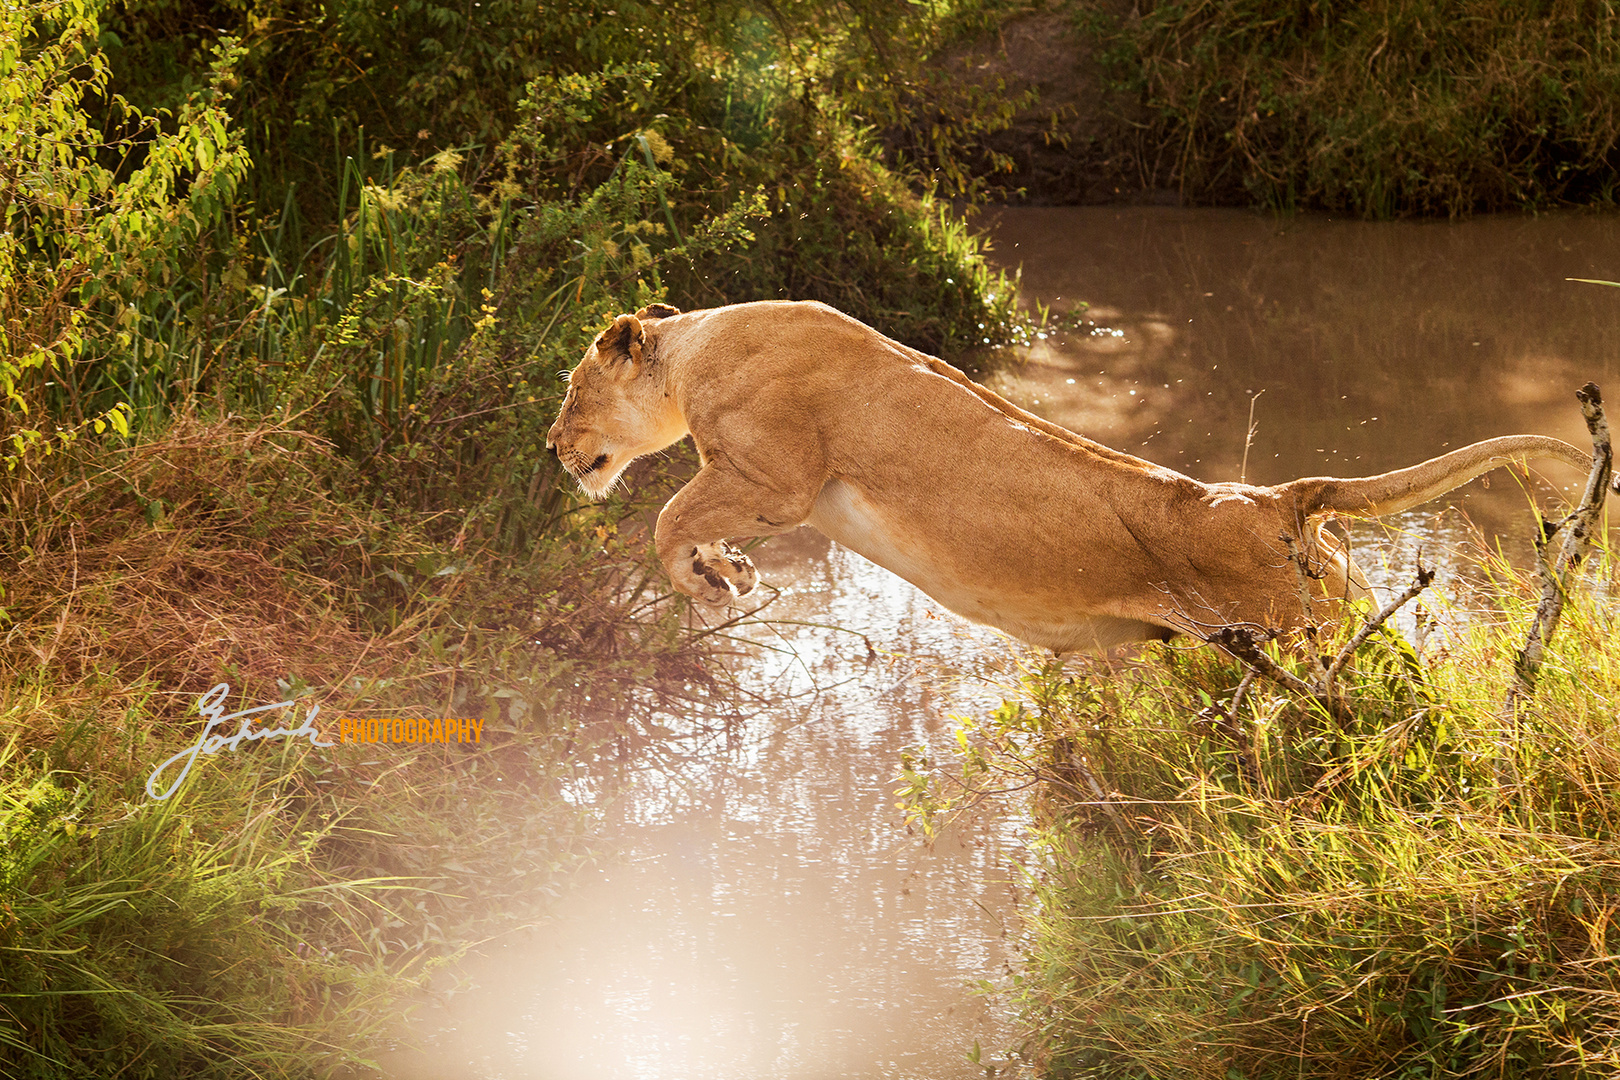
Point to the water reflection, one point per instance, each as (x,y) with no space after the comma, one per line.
(770,916)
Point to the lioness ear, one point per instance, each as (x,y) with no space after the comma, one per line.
(625,336)
(657,311)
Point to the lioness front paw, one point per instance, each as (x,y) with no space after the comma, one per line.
(719,572)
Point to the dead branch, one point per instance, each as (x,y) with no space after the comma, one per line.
(1579,529)
(1237,700)
(1304,575)
(1244,642)
(1424,579)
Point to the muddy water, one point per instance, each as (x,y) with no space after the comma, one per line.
(769,917)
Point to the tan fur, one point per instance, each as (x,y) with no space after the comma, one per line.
(802,414)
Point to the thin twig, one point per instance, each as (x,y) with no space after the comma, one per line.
(1425,578)
(1303,577)
(1248,441)
(1302,572)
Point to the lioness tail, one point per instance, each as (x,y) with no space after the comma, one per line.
(1390,492)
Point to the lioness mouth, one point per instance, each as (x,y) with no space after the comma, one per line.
(601,460)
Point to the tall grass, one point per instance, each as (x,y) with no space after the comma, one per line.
(137,936)
(1400,107)
(1427,888)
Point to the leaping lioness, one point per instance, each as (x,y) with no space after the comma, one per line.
(802,414)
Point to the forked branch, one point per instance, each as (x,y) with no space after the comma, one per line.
(1245,643)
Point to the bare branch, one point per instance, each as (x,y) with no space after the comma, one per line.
(1248,440)
(1558,574)
(1243,642)
(1237,700)
(1425,578)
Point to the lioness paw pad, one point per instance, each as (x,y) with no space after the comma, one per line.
(719,573)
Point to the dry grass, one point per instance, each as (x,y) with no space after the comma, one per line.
(266,917)
(210,553)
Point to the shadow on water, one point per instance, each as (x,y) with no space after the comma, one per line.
(769,916)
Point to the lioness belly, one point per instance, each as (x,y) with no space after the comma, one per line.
(844,515)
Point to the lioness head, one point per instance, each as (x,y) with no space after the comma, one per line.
(618,407)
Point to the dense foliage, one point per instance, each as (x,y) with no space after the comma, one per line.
(1399,107)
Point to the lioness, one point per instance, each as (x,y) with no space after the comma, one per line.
(802,414)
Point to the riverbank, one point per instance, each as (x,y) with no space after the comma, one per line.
(276,367)
(1414,108)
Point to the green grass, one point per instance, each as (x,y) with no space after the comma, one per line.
(1428,888)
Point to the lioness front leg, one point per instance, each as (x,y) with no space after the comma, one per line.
(718,503)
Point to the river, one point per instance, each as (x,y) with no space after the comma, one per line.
(770,916)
